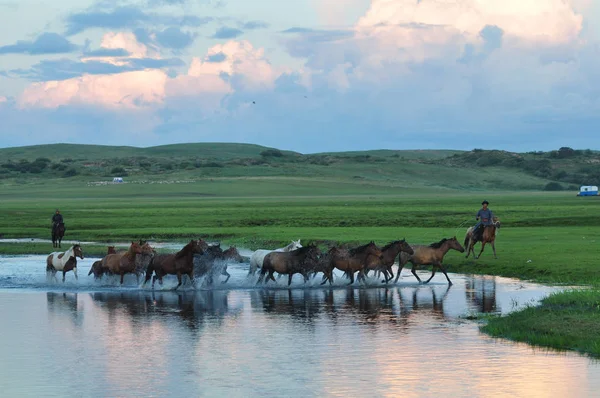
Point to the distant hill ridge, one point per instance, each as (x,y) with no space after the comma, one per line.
(564,168)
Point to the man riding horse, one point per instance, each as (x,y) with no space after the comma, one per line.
(484,217)
(57,219)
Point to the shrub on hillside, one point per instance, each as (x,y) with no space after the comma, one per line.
(70,173)
(553,186)
(271,153)
(118,170)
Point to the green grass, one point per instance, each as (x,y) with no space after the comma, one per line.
(564,321)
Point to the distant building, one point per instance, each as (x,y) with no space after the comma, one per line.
(588,190)
(117,179)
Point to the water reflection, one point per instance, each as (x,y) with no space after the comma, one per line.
(481,293)
(63,306)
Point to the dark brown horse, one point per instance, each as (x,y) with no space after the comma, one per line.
(121,263)
(389,254)
(96,268)
(58,232)
(299,261)
(214,262)
(488,236)
(143,260)
(429,255)
(180,263)
(350,261)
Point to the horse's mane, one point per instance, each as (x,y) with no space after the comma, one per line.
(437,245)
(184,250)
(301,251)
(390,245)
(360,248)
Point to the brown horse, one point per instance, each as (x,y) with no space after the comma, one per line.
(180,263)
(122,263)
(96,268)
(389,254)
(488,236)
(64,261)
(214,261)
(58,232)
(299,261)
(143,260)
(357,259)
(429,255)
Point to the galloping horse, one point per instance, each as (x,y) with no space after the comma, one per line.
(180,263)
(205,264)
(58,231)
(64,261)
(301,261)
(122,263)
(488,236)
(429,255)
(389,254)
(257,258)
(350,261)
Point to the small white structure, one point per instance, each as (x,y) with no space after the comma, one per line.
(588,190)
(117,180)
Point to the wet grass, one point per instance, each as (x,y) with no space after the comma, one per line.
(564,321)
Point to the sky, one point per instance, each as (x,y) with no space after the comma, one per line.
(303,75)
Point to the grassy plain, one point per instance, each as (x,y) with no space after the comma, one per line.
(545,236)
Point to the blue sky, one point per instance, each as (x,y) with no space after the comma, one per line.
(305,75)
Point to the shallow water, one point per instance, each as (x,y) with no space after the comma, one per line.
(84,338)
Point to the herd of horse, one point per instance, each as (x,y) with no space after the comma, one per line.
(199,259)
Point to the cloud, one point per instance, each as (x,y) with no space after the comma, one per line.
(46,43)
(409,74)
(107,52)
(218,57)
(227,33)
(127,17)
(251,25)
(174,38)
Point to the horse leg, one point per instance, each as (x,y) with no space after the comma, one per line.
(153,280)
(400,266)
(433,271)
(64,272)
(262,275)
(178,280)
(227,274)
(414,272)
(75,273)
(271,273)
(122,276)
(290,278)
(445,274)
(494,249)
(482,247)
(351,276)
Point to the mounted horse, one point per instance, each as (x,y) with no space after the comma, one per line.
(389,254)
(429,255)
(214,262)
(180,263)
(257,258)
(64,261)
(488,236)
(58,232)
(299,261)
(349,261)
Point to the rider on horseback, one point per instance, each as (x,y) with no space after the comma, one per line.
(57,219)
(484,217)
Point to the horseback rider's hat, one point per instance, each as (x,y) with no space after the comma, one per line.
(485,202)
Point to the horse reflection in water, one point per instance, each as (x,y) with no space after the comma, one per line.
(374,308)
(64,305)
(481,293)
(191,307)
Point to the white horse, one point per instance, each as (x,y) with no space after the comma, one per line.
(256,261)
(64,261)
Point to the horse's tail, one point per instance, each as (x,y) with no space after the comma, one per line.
(49,266)
(466,240)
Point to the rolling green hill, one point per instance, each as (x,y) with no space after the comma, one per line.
(238,168)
